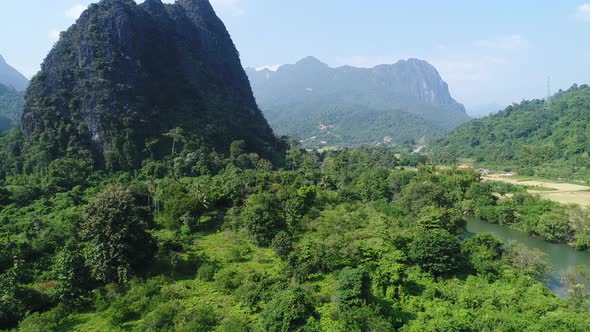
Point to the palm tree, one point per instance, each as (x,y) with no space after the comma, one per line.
(177,134)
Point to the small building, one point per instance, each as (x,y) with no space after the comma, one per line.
(464,166)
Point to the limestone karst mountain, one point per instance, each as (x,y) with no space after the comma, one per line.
(126,74)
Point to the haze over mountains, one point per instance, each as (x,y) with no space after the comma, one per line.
(12,85)
(481,110)
(321,105)
(11,107)
(10,77)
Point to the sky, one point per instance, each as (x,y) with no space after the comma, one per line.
(488,51)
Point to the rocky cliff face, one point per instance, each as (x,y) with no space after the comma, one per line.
(415,79)
(125,74)
(410,93)
(10,77)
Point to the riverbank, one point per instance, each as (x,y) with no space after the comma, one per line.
(558,256)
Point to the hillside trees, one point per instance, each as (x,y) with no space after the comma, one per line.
(528,137)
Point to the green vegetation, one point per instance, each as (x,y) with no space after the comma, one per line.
(341,241)
(529,138)
(146,192)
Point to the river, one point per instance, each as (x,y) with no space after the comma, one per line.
(559,257)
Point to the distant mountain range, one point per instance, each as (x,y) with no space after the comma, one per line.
(320,105)
(12,86)
(10,77)
(11,107)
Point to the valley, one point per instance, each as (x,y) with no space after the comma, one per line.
(155,178)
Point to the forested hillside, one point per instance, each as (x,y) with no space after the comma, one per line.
(532,137)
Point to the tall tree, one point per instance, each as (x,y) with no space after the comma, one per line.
(70,274)
(177,135)
(118,241)
(436,251)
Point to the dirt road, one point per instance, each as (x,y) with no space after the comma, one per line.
(566,193)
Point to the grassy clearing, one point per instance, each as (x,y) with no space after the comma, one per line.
(539,188)
(523,178)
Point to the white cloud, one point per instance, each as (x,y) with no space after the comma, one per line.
(233,6)
(269,67)
(75,11)
(53,34)
(583,12)
(503,43)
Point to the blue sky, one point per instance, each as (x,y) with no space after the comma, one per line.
(488,51)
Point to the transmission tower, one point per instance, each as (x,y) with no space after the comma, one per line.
(548,98)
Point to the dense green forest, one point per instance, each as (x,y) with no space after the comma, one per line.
(533,137)
(353,240)
(350,125)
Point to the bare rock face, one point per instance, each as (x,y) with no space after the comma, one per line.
(125,74)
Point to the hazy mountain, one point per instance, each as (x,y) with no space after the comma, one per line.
(11,77)
(479,111)
(126,74)
(309,100)
(11,107)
